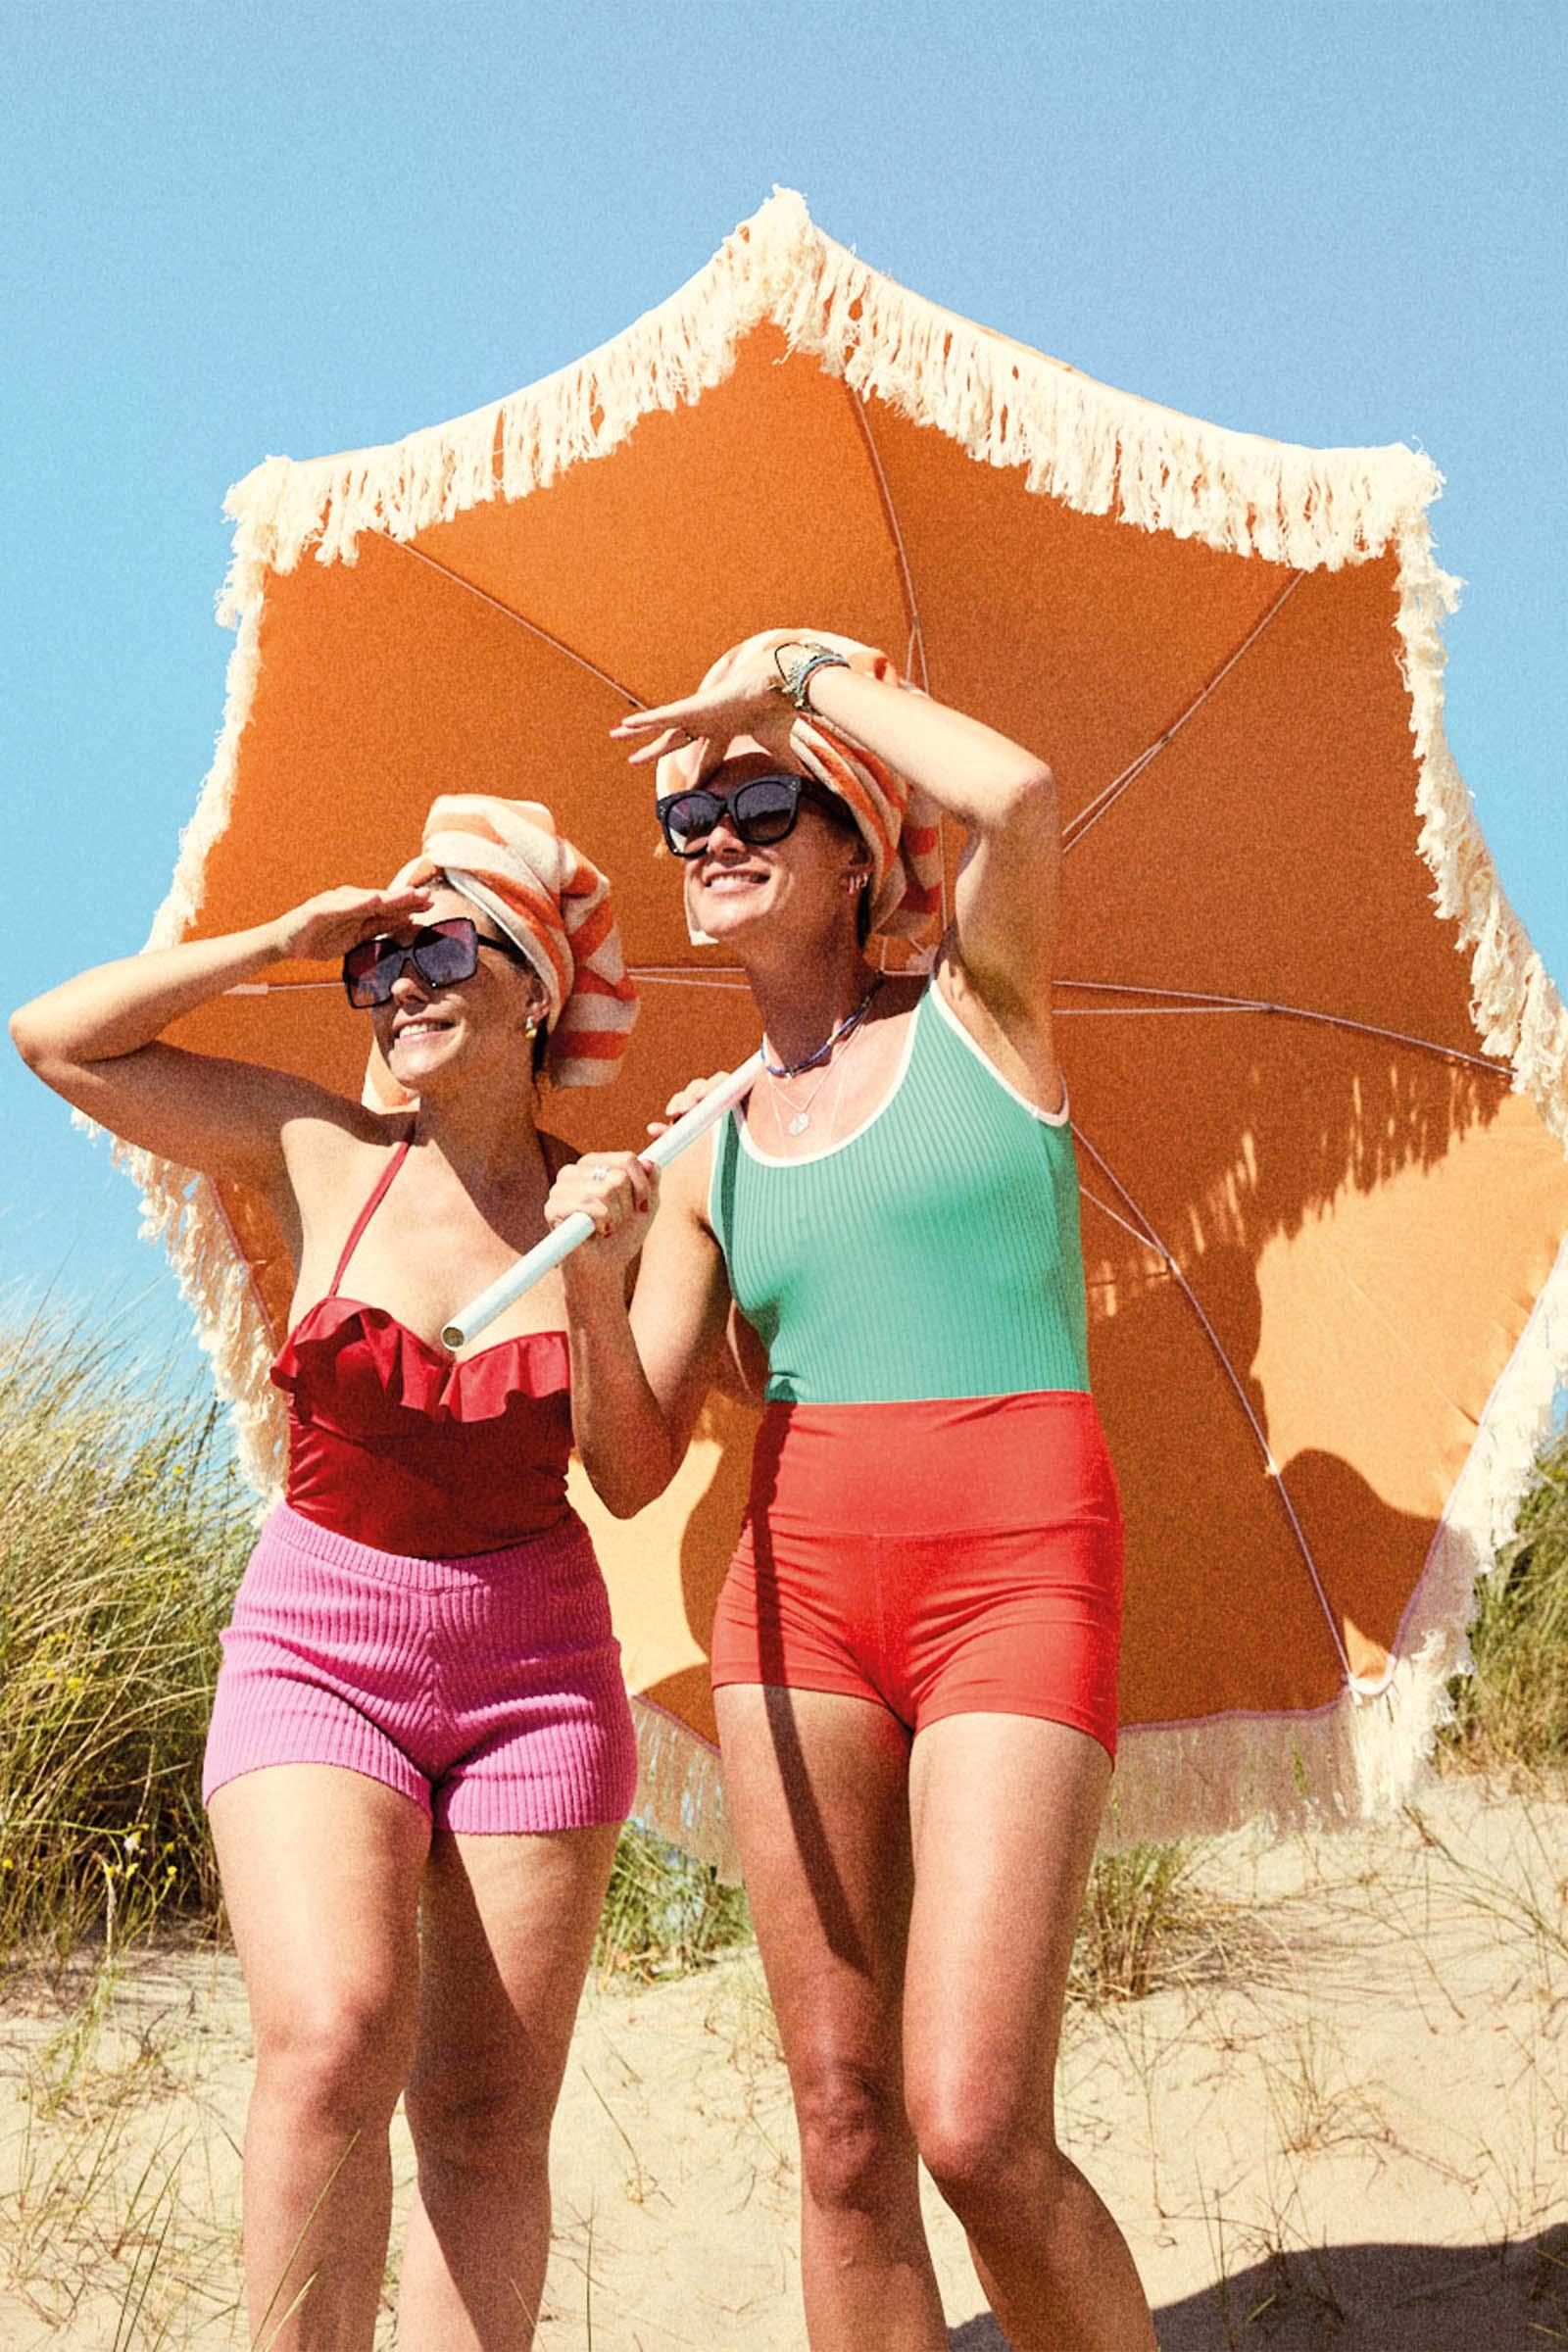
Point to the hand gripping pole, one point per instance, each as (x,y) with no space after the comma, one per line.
(569,1236)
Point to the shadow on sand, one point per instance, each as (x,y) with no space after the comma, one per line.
(1368,2298)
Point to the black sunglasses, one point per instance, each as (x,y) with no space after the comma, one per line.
(440,953)
(760,811)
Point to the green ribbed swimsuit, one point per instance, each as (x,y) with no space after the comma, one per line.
(933,1521)
(934,1253)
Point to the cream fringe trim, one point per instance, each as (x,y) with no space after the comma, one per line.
(1098,451)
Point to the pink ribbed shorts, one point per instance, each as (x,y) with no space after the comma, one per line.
(486,1689)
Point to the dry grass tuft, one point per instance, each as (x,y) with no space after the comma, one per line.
(1150,1919)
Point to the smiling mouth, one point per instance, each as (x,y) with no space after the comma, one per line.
(420,1028)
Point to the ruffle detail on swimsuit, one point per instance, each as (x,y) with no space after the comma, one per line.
(356,1369)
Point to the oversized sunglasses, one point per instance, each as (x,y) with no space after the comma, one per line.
(760,811)
(440,953)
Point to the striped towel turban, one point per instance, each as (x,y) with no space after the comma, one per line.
(551,901)
(899,823)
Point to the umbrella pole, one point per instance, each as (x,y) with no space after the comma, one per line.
(573,1231)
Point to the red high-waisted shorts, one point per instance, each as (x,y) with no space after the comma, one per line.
(944,1558)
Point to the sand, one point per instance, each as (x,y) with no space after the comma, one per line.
(1356,2131)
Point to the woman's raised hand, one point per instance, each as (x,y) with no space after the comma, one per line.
(747,702)
(619,1195)
(690,1095)
(324,927)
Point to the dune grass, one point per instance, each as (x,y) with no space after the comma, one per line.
(664,1915)
(1512,1713)
(122,1526)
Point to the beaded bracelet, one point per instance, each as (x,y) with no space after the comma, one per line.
(795,677)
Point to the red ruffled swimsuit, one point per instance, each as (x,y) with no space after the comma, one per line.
(392,1444)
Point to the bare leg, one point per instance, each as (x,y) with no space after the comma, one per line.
(320,1871)
(508,1929)
(817,1785)
(1006,1811)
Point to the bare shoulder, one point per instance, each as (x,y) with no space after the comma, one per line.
(329,1143)
(1016,1034)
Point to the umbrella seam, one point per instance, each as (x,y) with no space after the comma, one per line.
(1130,775)
(1194,1001)
(507,612)
(914,641)
(1337,1262)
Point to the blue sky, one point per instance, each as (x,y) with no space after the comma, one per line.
(228,230)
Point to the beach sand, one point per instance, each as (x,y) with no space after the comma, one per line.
(1356,2132)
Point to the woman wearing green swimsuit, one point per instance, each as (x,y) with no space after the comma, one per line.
(914,1656)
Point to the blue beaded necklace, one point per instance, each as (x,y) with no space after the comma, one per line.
(840,1030)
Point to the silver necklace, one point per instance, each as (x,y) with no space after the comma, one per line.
(801,1113)
(801,1117)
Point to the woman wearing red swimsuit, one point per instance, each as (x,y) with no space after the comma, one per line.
(914,1655)
(421,1750)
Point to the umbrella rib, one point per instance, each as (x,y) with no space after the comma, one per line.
(914,647)
(1153,1241)
(1184,1000)
(1107,1210)
(914,643)
(1097,808)
(674,976)
(546,637)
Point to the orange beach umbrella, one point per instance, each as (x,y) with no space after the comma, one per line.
(1317,1072)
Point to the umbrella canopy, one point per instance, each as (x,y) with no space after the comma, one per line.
(1322,1153)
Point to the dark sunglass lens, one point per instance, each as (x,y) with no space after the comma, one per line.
(690,817)
(446,951)
(764,810)
(370,969)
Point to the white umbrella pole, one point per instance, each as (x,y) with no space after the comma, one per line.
(566,1237)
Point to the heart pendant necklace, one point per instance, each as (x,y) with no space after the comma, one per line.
(800,1117)
(826,1058)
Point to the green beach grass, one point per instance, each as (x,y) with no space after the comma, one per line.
(1511,1715)
(122,1526)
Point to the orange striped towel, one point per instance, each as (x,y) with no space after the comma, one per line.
(900,825)
(508,857)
